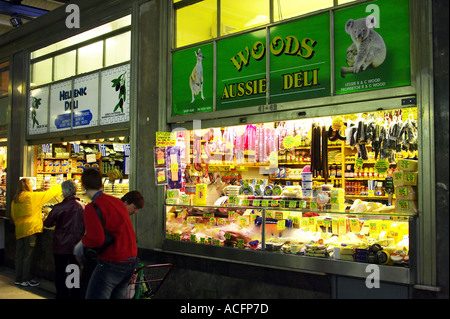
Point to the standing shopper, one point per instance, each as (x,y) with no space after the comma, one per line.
(68,219)
(26,213)
(117,262)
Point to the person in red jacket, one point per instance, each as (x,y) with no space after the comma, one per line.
(68,219)
(116,263)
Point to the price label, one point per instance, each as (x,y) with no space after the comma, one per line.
(288,142)
(410,178)
(403,204)
(282,203)
(302,204)
(281,224)
(256,202)
(313,205)
(398,176)
(240,242)
(227,235)
(193,238)
(403,191)
(292,204)
(231,214)
(264,203)
(359,162)
(278,215)
(402,164)
(381,166)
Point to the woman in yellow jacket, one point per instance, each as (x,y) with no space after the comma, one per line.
(26,209)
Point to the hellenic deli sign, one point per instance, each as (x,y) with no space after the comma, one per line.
(91,100)
(292,61)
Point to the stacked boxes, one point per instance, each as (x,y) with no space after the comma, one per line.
(405,182)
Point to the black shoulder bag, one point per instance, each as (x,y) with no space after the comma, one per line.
(109,239)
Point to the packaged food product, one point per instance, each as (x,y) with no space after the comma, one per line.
(406,193)
(407,165)
(406,206)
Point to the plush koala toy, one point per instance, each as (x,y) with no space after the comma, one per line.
(368,48)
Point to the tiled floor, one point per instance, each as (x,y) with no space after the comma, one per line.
(10,291)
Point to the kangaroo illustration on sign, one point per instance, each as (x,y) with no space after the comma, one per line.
(196,78)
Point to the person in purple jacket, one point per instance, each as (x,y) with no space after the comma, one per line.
(68,219)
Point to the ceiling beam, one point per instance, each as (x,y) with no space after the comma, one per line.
(20,9)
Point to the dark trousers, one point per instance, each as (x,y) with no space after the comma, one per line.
(62,292)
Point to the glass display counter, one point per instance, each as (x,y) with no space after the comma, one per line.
(358,237)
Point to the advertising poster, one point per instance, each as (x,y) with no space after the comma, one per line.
(192,80)
(241,71)
(300,59)
(38,111)
(372,47)
(115,95)
(60,106)
(85,101)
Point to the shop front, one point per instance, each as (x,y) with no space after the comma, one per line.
(288,150)
(274,161)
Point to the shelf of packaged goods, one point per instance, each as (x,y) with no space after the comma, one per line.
(300,210)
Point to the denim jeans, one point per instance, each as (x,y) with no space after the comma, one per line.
(110,280)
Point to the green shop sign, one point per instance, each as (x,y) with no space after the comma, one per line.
(241,71)
(292,61)
(371,43)
(192,80)
(300,59)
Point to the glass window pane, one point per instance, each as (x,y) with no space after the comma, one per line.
(285,9)
(196,23)
(41,72)
(90,57)
(248,14)
(64,65)
(345,1)
(118,49)
(103,29)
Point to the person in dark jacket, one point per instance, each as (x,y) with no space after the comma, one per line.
(68,219)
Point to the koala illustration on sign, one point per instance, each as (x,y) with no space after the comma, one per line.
(196,78)
(368,48)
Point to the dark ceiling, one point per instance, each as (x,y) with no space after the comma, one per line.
(23,11)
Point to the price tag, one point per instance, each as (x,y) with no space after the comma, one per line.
(403,165)
(282,203)
(297,140)
(278,215)
(256,202)
(292,204)
(288,142)
(302,204)
(264,203)
(381,166)
(281,224)
(231,214)
(410,178)
(403,191)
(398,176)
(359,162)
(403,204)
(240,242)
(313,205)
(193,238)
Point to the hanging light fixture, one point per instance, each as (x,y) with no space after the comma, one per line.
(16,21)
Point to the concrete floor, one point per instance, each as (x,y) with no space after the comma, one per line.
(10,291)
